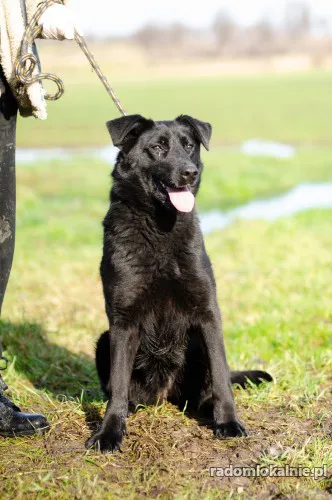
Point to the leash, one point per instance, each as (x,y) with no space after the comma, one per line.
(27,61)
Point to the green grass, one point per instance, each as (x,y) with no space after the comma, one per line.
(294,108)
(275,287)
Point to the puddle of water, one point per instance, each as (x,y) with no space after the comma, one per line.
(302,197)
(107,154)
(33,155)
(259,147)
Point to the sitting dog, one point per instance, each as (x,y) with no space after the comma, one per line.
(165,337)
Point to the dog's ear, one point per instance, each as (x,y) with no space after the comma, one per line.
(202,130)
(127,128)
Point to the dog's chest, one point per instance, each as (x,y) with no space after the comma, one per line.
(159,274)
(163,340)
(168,285)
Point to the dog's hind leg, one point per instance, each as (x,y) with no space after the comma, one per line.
(195,387)
(241,378)
(103,360)
(194,378)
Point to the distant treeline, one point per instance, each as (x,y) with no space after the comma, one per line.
(299,31)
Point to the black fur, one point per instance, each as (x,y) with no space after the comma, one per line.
(165,337)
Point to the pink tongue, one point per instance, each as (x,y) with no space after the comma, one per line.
(182,199)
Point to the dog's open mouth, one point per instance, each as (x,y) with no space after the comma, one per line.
(181,198)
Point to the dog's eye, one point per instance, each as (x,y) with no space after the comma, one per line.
(188,147)
(157,149)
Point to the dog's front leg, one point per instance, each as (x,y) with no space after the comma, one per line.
(123,348)
(226,423)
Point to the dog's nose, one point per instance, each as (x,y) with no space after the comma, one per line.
(189,174)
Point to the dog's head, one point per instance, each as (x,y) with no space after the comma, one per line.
(160,160)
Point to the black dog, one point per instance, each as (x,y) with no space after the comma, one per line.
(165,338)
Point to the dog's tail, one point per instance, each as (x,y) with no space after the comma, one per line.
(254,376)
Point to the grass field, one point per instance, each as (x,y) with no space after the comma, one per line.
(274,285)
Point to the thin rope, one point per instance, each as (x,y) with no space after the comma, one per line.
(28,62)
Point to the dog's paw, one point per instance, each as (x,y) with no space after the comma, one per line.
(105,441)
(108,439)
(230,429)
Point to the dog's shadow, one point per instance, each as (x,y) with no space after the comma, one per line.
(51,367)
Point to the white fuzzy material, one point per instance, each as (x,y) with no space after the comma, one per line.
(58,23)
(12,28)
